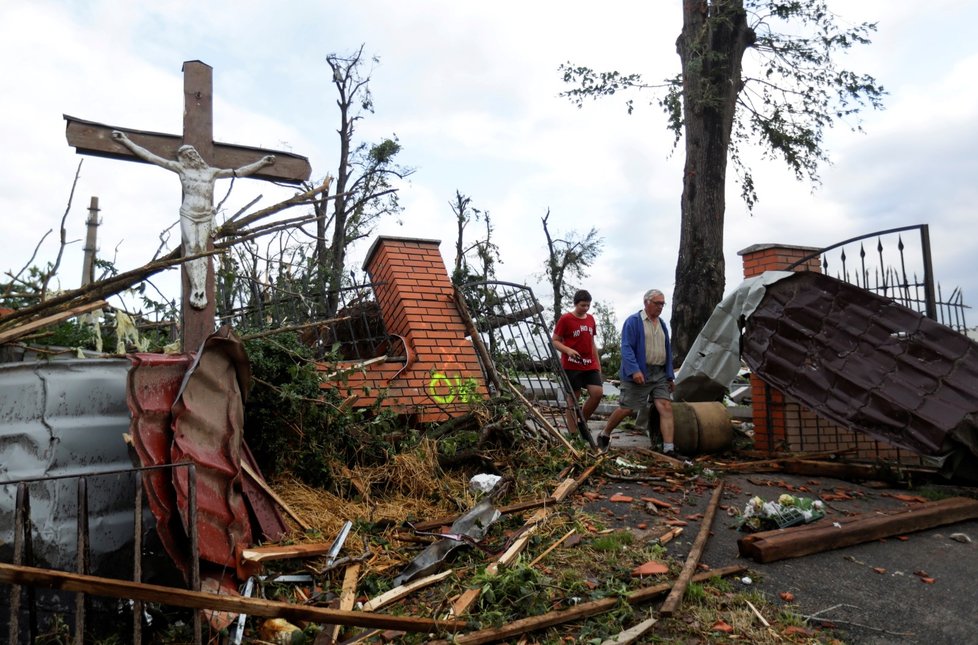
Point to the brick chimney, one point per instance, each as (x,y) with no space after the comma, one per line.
(442,377)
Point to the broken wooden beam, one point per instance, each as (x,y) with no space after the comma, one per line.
(23,329)
(583,610)
(675,596)
(779,544)
(261,483)
(542,420)
(392,595)
(98,586)
(850,471)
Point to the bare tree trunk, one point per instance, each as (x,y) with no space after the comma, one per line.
(711,47)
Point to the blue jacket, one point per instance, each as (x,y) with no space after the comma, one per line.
(633,348)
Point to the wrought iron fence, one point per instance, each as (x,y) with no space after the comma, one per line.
(509,320)
(355,331)
(908,280)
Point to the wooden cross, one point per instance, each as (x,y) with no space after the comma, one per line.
(90,138)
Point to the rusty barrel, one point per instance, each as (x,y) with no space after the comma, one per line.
(701,427)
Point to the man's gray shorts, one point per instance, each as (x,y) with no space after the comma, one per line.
(635,396)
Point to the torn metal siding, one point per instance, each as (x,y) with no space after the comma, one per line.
(66,418)
(867,363)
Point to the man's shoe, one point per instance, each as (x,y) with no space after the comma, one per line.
(603,442)
(676,455)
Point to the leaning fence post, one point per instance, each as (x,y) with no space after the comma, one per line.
(928,272)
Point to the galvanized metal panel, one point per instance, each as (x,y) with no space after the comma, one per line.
(62,418)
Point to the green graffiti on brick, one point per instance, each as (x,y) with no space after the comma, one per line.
(444,389)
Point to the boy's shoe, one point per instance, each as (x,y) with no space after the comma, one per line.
(603,442)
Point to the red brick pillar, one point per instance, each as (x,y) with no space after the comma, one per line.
(416,300)
(770,433)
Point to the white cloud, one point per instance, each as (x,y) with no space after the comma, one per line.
(472,90)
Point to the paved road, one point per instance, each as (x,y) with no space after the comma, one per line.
(873,592)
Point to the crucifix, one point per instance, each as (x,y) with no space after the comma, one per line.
(198,161)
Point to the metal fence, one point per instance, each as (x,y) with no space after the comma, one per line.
(510,323)
(905,274)
(31,609)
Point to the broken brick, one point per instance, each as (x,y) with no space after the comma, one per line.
(787,596)
(721,626)
(618,497)
(650,568)
(657,502)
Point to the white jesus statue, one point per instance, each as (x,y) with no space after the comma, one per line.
(197,208)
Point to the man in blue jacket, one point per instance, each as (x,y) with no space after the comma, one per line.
(646,370)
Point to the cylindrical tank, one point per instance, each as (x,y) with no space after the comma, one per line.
(701,427)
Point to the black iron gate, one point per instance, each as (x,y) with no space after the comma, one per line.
(509,320)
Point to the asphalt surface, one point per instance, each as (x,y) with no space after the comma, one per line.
(916,588)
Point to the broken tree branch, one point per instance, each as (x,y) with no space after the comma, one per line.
(22,330)
(577,612)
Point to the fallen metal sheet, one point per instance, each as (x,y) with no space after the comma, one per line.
(866,363)
(153,384)
(713,362)
(208,425)
(58,418)
(472,524)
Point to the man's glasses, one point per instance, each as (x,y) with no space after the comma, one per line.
(659,303)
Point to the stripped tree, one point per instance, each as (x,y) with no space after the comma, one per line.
(791,91)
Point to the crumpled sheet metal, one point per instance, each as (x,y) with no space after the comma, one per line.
(867,363)
(208,429)
(713,362)
(152,387)
(473,524)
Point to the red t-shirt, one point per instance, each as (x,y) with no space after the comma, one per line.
(577,333)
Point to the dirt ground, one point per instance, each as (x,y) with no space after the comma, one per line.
(917,588)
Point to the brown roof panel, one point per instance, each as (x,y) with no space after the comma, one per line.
(866,362)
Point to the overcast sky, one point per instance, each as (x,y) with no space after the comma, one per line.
(471,91)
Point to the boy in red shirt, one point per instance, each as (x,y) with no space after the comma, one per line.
(574,339)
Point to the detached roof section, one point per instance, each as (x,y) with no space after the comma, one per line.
(866,362)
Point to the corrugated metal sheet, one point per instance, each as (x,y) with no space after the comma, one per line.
(867,363)
(66,418)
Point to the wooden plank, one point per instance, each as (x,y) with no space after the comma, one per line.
(26,328)
(550,548)
(98,586)
(260,481)
(769,546)
(577,612)
(541,419)
(813,468)
(277,552)
(395,594)
(675,596)
(632,634)
(348,596)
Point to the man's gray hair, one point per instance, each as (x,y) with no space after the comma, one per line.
(652,293)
